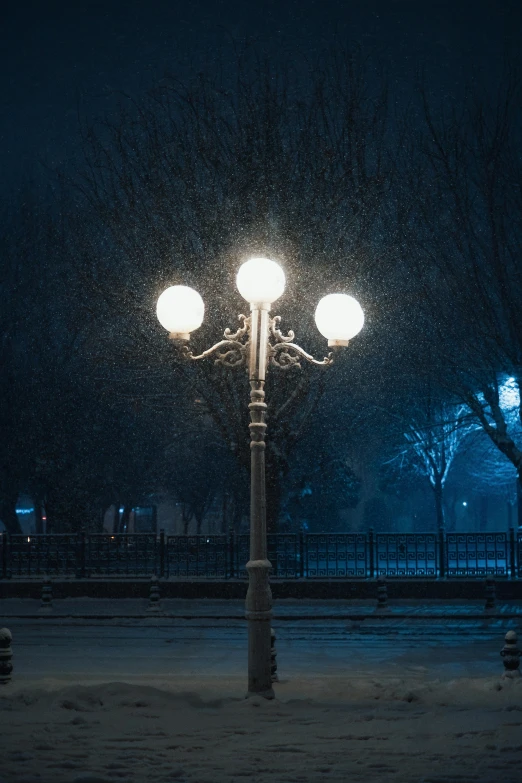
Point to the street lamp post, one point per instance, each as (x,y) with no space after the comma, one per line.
(257,344)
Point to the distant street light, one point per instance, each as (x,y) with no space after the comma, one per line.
(256,344)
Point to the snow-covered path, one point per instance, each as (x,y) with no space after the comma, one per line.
(164,647)
(331,729)
(284,609)
(162,699)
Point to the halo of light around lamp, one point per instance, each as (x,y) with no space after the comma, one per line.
(260,281)
(180,310)
(339,317)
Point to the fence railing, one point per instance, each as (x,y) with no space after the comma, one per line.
(293,555)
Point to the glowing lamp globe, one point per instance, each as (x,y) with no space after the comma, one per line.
(260,281)
(180,310)
(339,317)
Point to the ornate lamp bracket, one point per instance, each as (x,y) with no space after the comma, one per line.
(234,349)
(284,353)
(230,352)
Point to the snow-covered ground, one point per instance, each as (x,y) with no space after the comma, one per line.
(162,699)
(339,729)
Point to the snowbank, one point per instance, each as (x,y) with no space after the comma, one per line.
(204,731)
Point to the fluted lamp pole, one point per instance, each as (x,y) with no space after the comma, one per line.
(256,345)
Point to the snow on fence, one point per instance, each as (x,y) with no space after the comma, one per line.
(293,556)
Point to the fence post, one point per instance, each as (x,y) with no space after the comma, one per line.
(511,655)
(231,554)
(80,555)
(162,553)
(46,602)
(371,559)
(302,554)
(512,553)
(442,552)
(154,594)
(273,657)
(491,595)
(382,594)
(5,543)
(6,655)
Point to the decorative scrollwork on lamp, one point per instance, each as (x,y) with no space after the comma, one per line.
(234,350)
(277,334)
(241,332)
(286,355)
(226,352)
(230,352)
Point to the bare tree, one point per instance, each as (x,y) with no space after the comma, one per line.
(462,230)
(434,433)
(490,472)
(195,470)
(193,177)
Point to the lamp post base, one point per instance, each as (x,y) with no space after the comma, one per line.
(259,616)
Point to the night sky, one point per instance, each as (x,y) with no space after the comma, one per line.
(55,51)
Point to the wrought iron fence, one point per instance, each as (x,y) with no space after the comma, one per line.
(477,554)
(36,555)
(195,557)
(293,556)
(122,555)
(335,555)
(407,554)
(283,553)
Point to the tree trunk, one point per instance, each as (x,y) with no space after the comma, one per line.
(439,502)
(8,513)
(276,471)
(237,516)
(38,521)
(125,517)
(274,493)
(360,518)
(483,513)
(225,527)
(452,515)
(509,515)
(519,500)
(186,516)
(116,519)
(105,507)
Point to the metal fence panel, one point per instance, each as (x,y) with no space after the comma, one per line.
(125,554)
(283,553)
(336,555)
(197,557)
(293,555)
(477,554)
(44,554)
(406,554)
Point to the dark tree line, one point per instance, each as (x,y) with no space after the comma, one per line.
(419,220)
(198,176)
